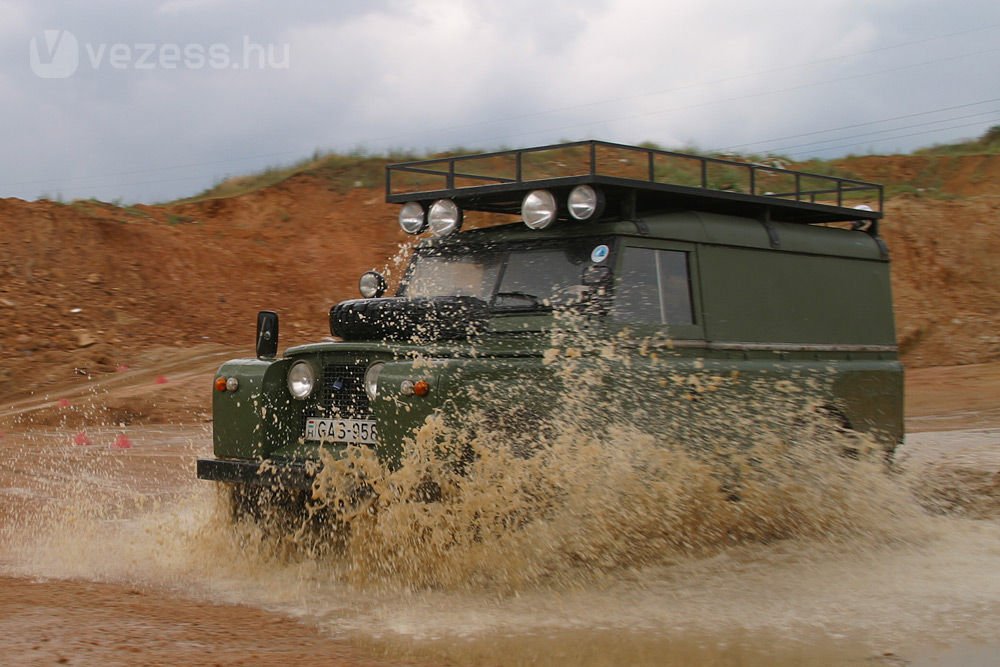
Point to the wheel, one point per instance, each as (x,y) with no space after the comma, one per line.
(263,505)
(288,517)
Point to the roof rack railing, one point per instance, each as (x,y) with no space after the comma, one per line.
(635,164)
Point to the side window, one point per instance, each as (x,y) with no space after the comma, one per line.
(637,297)
(654,287)
(675,287)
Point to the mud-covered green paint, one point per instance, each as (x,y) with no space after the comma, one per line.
(865,387)
(260,416)
(771,302)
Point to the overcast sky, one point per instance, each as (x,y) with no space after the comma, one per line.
(149,101)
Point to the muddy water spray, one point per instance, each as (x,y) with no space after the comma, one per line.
(479,503)
(587,524)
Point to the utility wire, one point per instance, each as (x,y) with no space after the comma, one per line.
(799,155)
(733,147)
(598,103)
(901,136)
(689,86)
(452,128)
(747,96)
(876,132)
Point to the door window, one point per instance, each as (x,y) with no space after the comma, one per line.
(654,287)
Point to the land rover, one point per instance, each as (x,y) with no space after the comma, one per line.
(694,266)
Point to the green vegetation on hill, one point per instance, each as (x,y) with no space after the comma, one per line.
(988,144)
(342,171)
(362,169)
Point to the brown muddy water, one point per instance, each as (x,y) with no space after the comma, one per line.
(865,568)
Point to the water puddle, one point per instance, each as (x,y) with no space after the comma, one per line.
(863,569)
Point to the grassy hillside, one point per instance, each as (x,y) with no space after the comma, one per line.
(988,144)
(928,174)
(342,172)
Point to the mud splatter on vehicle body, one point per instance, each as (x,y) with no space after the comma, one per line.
(706,275)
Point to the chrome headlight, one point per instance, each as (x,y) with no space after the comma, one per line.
(444,217)
(372,284)
(538,209)
(301,379)
(585,202)
(371,379)
(412,218)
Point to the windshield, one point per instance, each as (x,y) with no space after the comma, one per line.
(513,278)
(453,276)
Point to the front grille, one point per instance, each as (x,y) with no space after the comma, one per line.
(342,393)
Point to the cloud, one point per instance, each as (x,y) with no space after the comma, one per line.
(13,17)
(186,6)
(437,74)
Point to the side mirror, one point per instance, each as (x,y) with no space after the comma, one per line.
(267,334)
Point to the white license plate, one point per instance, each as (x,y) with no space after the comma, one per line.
(358,431)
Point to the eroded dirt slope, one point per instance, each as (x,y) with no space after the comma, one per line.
(84,287)
(944,278)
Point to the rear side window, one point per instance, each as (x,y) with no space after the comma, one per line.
(654,287)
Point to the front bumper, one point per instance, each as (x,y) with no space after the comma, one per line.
(283,474)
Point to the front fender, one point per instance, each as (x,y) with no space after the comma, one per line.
(260,416)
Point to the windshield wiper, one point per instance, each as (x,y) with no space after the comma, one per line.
(528,301)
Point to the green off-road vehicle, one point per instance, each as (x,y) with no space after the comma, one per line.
(744,275)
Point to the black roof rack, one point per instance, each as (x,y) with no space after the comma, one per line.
(639,180)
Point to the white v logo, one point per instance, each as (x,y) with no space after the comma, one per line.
(56,55)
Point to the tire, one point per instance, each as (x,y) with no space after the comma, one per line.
(283,517)
(280,510)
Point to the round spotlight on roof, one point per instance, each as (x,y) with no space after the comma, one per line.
(412,218)
(444,217)
(585,202)
(538,209)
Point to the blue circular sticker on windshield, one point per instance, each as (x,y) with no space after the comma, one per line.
(599,254)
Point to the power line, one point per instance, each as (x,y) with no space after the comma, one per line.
(733,147)
(801,153)
(592,104)
(688,86)
(748,96)
(901,136)
(875,132)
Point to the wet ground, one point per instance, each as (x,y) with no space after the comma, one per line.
(112,554)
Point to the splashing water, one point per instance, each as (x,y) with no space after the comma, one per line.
(749,520)
(501,509)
